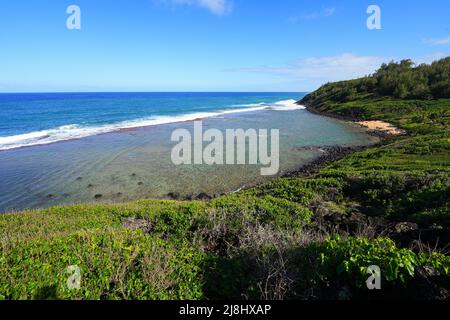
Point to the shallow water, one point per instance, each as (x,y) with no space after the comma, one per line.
(134,164)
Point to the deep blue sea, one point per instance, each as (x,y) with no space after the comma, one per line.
(43,118)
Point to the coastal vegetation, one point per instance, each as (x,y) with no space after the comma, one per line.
(298,237)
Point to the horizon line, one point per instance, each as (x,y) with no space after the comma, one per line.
(34,92)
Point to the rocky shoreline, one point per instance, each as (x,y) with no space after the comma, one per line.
(330,155)
(376,128)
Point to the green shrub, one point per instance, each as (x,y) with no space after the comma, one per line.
(346,261)
(114,265)
(280,212)
(301,190)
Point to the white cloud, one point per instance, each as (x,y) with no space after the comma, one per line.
(430,58)
(438,42)
(332,68)
(324,13)
(312,72)
(217,7)
(328,12)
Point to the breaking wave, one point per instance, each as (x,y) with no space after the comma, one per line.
(76,131)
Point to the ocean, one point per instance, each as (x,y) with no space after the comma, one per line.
(41,118)
(69,148)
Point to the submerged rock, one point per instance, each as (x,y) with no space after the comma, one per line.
(203,196)
(173,195)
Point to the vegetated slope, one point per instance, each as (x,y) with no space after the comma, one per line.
(396,172)
(293,238)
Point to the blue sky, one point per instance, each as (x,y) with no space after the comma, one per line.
(210,45)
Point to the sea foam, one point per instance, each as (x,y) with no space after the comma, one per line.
(76,131)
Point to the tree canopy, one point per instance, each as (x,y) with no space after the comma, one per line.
(401,80)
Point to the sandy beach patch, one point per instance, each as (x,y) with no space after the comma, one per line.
(381,126)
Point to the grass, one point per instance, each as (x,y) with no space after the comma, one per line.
(115,264)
